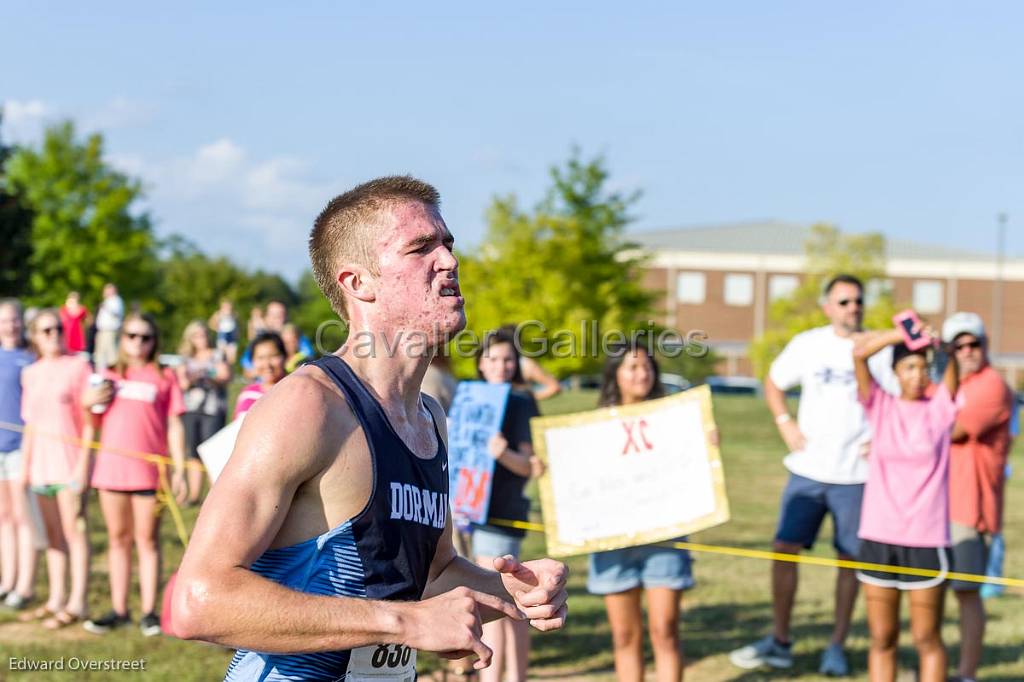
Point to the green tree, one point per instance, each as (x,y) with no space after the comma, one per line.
(565,264)
(15,234)
(193,284)
(828,252)
(84,229)
(314,313)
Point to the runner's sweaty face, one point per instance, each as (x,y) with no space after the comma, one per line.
(635,377)
(417,285)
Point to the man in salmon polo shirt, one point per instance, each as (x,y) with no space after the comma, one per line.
(977,478)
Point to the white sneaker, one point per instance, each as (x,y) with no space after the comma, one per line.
(764,651)
(833,661)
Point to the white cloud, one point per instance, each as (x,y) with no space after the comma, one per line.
(119,113)
(23,121)
(257,210)
(491,158)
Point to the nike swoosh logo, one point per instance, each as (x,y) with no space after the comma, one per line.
(444,467)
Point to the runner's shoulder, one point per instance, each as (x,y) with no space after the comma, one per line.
(305,410)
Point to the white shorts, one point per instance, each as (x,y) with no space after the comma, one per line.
(10,465)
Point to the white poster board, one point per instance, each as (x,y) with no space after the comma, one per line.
(630,475)
(216,450)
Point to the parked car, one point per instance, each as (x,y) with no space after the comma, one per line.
(675,383)
(734,385)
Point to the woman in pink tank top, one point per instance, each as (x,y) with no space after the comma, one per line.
(55,466)
(142,418)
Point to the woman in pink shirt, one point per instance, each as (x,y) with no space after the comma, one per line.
(144,416)
(268,358)
(55,466)
(905,514)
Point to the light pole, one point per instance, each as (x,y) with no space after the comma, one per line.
(997,289)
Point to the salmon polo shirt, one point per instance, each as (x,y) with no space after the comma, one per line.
(977,466)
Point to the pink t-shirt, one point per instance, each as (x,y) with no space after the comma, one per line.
(51,405)
(906,497)
(136,421)
(249,395)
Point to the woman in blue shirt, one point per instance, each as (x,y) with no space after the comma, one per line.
(17,544)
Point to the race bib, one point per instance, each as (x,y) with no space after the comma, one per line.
(392,662)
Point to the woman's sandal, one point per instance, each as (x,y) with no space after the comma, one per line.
(62,619)
(38,613)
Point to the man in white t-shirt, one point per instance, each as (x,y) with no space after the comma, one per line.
(108,324)
(827,463)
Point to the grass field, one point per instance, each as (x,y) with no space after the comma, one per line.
(729,607)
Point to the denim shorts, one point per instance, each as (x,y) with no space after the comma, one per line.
(619,570)
(10,465)
(805,502)
(491,542)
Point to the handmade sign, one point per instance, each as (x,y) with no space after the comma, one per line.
(216,450)
(630,475)
(476,414)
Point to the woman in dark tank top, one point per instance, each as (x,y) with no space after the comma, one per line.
(515,464)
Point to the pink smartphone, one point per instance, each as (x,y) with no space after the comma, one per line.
(910,324)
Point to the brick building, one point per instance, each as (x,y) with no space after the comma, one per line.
(721,279)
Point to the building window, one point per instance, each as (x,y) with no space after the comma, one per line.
(781,286)
(875,289)
(690,287)
(928,296)
(739,289)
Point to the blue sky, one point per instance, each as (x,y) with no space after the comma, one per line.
(245,118)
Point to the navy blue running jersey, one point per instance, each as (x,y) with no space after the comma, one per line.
(384,552)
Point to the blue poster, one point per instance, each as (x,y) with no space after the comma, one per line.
(476,414)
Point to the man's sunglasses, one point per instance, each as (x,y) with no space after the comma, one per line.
(847,301)
(145,338)
(46,331)
(973,345)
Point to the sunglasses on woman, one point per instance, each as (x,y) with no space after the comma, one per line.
(132,336)
(46,331)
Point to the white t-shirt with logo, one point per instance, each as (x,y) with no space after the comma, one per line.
(830,416)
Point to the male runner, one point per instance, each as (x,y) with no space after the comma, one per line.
(325,551)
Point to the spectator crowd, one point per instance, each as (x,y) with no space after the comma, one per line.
(903,446)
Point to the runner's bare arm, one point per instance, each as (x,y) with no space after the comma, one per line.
(218,599)
(537,588)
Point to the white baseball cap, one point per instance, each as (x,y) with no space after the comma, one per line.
(962,323)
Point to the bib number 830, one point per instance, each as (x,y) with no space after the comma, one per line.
(390,656)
